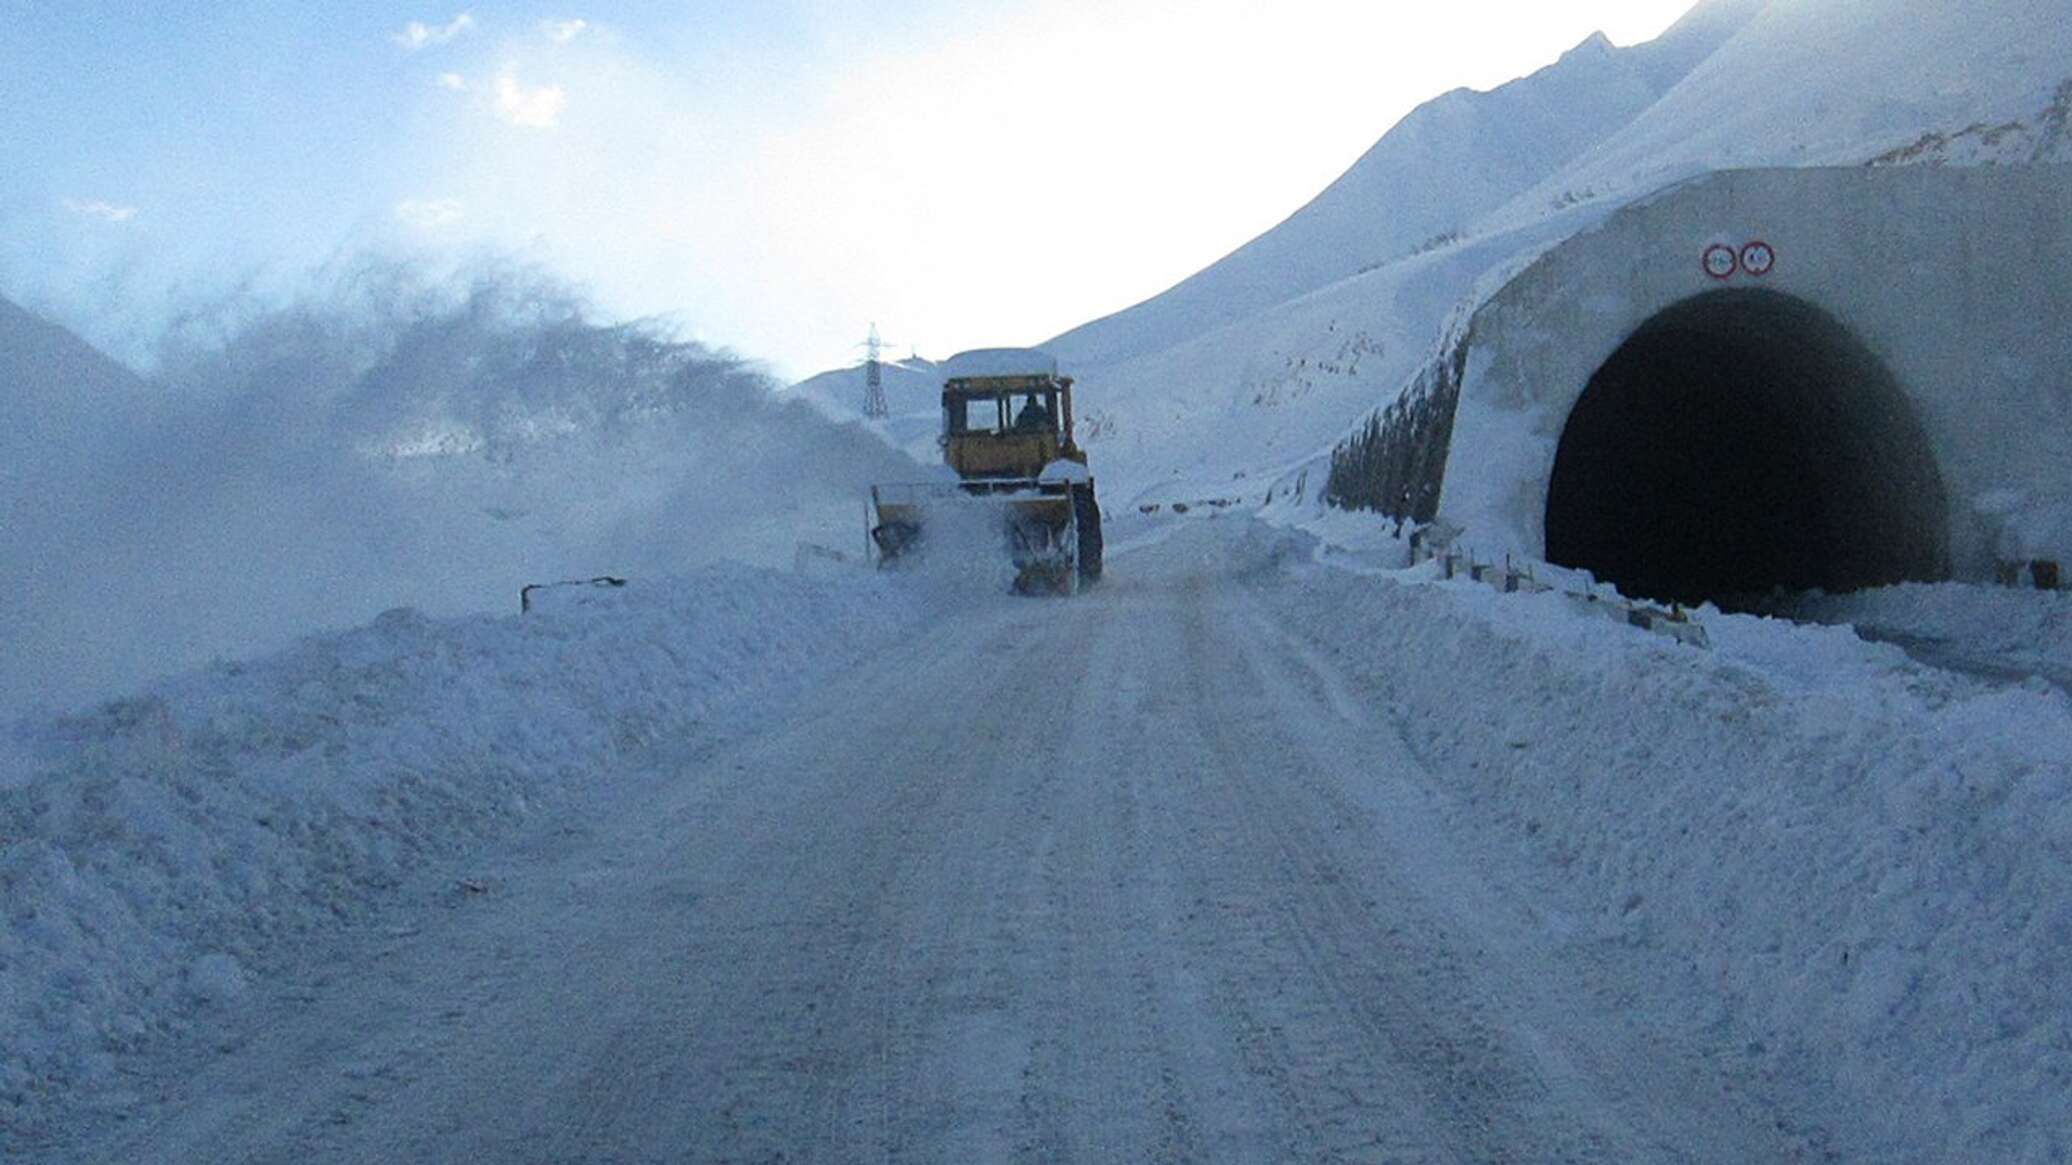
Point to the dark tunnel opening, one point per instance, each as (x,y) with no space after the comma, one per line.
(1740,442)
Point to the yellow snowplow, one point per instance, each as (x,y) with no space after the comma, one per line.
(1020,480)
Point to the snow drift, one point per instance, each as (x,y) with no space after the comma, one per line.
(1862,863)
(159,852)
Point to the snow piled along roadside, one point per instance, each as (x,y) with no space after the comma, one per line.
(1858,866)
(2014,629)
(165,847)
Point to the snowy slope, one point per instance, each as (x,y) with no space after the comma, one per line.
(66,412)
(2045,138)
(1808,83)
(58,395)
(1791,82)
(1254,404)
(1448,162)
(52,382)
(913,397)
(912,385)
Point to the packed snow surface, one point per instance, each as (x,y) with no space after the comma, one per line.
(1241,853)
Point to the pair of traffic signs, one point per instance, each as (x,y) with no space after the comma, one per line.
(1723,262)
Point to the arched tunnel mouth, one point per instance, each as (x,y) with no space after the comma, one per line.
(1739,443)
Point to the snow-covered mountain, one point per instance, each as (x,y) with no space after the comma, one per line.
(66,413)
(1809,83)
(48,375)
(58,395)
(1262,360)
(1449,162)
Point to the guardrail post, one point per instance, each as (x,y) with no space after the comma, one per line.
(525,592)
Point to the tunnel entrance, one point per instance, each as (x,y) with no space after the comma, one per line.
(1739,442)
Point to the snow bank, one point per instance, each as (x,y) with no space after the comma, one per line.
(170,846)
(2021,628)
(1855,864)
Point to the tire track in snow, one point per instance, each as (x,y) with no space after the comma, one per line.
(1619,1090)
(1364,1064)
(1107,1078)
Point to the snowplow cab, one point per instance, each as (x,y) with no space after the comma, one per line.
(1007,433)
(1006,414)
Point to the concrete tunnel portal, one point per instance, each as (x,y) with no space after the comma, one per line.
(1835,377)
(1738,442)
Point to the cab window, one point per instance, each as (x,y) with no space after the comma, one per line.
(1035,412)
(975,415)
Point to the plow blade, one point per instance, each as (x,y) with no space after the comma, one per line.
(1049,530)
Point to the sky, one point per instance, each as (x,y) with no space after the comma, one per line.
(769,176)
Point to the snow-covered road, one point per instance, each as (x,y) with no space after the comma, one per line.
(1136,877)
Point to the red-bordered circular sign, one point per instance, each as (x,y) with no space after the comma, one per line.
(1721,261)
(1758,258)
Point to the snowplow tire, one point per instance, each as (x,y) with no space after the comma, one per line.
(1087,514)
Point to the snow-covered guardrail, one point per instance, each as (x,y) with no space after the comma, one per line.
(1512,578)
(525,592)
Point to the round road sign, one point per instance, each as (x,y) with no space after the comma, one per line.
(1758,258)
(1721,261)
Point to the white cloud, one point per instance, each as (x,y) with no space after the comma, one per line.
(105,211)
(563,31)
(453,81)
(534,108)
(419,35)
(429,214)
